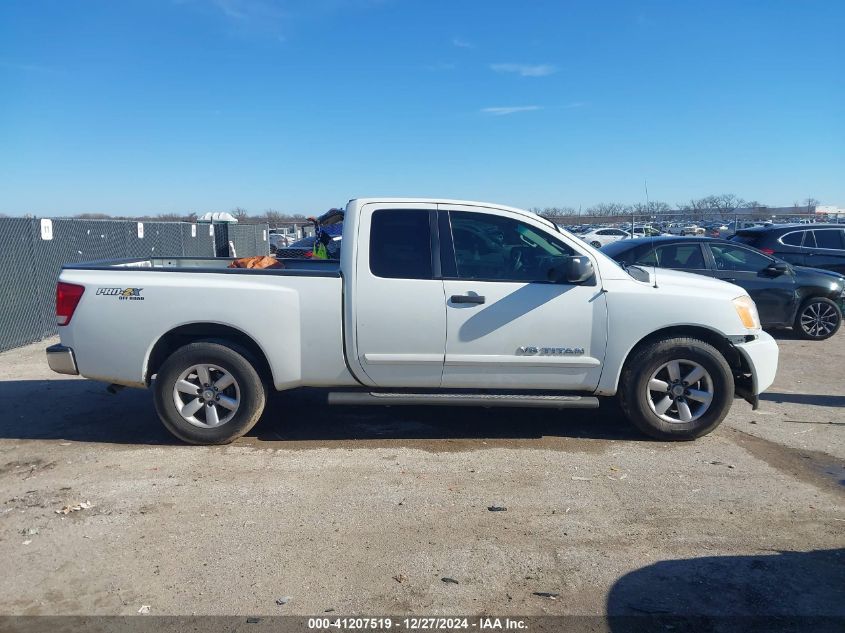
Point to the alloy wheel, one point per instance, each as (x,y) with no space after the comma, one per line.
(680,391)
(819,319)
(206,395)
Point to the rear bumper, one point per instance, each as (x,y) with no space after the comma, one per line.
(761,355)
(61,360)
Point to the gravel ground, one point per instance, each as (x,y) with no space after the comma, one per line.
(364,510)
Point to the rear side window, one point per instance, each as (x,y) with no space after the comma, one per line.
(793,239)
(829,238)
(400,244)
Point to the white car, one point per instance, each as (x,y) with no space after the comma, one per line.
(685,228)
(646,231)
(277,241)
(602,237)
(433,302)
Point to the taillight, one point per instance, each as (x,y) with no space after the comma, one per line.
(767,251)
(67,298)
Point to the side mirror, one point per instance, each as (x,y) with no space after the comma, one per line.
(775,269)
(574,269)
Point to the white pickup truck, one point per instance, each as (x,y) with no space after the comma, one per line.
(432,302)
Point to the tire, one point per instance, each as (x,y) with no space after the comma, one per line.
(237,403)
(595,244)
(818,319)
(643,401)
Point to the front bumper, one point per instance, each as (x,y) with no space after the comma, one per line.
(761,355)
(61,360)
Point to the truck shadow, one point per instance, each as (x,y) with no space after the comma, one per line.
(302,417)
(733,593)
(79,410)
(810,399)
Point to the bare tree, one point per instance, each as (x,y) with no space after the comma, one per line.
(553,212)
(609,208)
(727,203)
(274,217)
(240,214)
(93,216)
(724,204)
(652,208)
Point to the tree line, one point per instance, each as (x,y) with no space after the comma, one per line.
(722,205)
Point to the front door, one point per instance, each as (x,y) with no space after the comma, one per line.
(507,326)
(774,294)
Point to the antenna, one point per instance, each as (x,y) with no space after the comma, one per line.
(651,235)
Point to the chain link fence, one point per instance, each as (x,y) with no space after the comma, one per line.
(32,252)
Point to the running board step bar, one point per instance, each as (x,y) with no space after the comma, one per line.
(463,400)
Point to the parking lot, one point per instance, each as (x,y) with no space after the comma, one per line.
(361,510)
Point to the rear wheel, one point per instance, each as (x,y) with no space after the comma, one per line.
(209,393)
(677,389)
(818,319)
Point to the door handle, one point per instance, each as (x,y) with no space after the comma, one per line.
(466,299)
(729,279)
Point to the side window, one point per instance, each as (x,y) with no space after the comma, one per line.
(736,258)
(681,256)
(793,239)
(604,232)
(496,248)
(809,239)
(829,238)
(400,244)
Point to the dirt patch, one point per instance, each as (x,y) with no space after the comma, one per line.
(813,467)
(27,468)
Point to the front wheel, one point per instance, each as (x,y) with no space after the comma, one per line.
(595,244)
(818,319)
(209,393)
(676,389)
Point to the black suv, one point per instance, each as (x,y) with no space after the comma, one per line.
(807,299)
(816,245)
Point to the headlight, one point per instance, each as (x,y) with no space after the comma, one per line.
(747,312)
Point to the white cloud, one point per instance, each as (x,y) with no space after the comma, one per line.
(461,43)
(502,111)
(525,70)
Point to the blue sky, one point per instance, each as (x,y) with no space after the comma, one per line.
(154,106)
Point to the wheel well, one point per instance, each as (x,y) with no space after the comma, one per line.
(185,334)
(715,339)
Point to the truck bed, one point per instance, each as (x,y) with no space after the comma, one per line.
(293,267)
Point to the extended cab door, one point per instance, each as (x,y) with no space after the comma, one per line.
(507,326)
(399,307)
